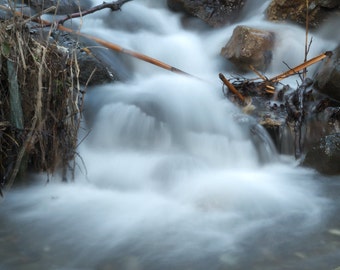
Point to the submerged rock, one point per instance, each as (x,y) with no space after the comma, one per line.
(295,11)
(324,156)
(213,12)
(327,78)
(249,46)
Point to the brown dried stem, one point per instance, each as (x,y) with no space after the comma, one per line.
(120,49)
(231,87)
(258,73)
(109,45)
(298,68)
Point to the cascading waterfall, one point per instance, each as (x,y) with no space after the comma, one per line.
(175,176)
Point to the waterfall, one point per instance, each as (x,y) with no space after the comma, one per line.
(172,175)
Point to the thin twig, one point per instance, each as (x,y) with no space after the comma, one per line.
(52,8)
(114,6)
(306,40)
(258,73)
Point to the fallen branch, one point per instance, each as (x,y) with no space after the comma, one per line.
(120,49)
(298,68)
(231,87)
(114,6)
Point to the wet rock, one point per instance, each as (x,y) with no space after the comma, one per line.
(95,70)
(213,12)
(320,124)
(96,66)
(63,6)
(328,3)
(324,156)
(295,11)
(327,78)
(249,46)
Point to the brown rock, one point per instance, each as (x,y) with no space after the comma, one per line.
(249,46)
(295,11)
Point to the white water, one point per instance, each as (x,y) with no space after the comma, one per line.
(174,178)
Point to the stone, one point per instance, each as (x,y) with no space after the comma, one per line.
(295,11)
(249,46)
(324,156)
(63,6)
(328,3)
(214,12)
(96,66)
(327,77)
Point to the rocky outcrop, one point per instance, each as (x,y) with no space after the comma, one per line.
(327,78)
(98,67)
(213,12)
(295,11)
(324,156)
(249,46)
(296,119)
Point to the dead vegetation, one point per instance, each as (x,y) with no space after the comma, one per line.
(39,109)
(41,98)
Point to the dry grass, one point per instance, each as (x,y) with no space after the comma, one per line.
(49,98)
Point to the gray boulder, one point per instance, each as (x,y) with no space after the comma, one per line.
(324,156)
(327,77)
(213,12)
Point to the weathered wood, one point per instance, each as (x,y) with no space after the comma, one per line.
(231,87)
(298,68)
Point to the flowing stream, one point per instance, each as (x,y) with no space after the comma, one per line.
(175,176)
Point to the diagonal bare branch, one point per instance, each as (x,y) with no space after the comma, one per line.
(114,6)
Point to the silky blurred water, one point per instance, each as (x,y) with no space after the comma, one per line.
(172,175)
